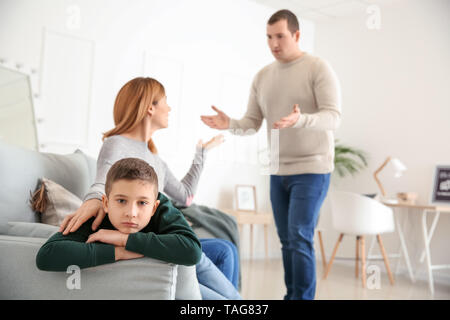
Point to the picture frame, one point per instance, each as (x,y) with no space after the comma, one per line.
(245,198)
(440,193)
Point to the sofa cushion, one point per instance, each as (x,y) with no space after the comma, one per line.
(28,229)
(53,202)
(21,169)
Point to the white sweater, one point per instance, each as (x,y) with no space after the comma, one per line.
(308,81)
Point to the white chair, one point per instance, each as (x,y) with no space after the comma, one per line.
(358,215)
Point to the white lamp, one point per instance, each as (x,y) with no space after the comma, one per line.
(397,166)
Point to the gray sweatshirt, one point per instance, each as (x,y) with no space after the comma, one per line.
(310,82)
(118,147)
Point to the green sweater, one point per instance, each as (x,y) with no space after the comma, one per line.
(167,237)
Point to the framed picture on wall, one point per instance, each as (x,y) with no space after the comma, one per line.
(441,185)
(246,198)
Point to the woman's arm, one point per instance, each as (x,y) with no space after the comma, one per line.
(183,191)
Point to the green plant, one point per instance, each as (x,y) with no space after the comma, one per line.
(348,160)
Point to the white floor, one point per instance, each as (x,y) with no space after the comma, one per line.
(262,279)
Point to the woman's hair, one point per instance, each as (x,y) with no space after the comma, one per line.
(131,105)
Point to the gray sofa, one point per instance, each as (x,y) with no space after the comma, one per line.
(22,234)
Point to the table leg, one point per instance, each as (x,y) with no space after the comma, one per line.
(266,238)
(240,239)
(363,261)
(251,241)
(404,249)
(427,251)
(433,226)
(399,250)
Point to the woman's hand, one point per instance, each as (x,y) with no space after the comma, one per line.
(90,208)
(214,142)
(113,237)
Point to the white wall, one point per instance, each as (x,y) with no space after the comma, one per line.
(396,98)
(204,52)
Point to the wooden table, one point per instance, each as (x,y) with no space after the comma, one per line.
(252,218)
(427,235)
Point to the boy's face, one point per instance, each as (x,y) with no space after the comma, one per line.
(130,205)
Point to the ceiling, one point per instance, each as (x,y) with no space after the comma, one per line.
(325,9)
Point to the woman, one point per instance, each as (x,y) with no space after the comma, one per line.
(140,109)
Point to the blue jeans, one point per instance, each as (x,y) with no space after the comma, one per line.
(224,255)
(296,202)
(213,283)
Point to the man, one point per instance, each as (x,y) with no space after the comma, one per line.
(298,95)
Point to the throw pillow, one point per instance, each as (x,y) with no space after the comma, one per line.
(54,202)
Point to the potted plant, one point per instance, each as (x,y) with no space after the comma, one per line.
(348,160)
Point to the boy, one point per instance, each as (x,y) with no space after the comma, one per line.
(139,222)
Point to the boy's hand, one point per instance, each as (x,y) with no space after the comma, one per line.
(122,254)
(113,237)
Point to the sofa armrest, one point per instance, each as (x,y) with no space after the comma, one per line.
(143,278)
(27,229)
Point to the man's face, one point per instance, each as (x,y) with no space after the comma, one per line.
(282,43)
(130,205)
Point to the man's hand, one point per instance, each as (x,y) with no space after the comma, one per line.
(220,121)
(290,120)
(113,237)
(122,254)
